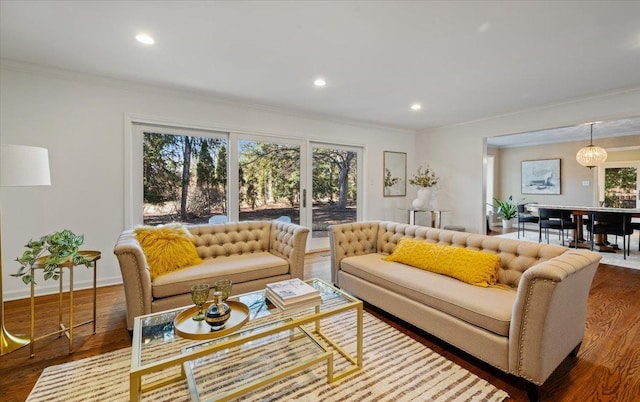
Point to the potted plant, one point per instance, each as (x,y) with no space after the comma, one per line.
(424,180)
(63,247)
(506,210)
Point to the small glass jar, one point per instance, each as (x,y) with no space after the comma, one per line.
(218,312)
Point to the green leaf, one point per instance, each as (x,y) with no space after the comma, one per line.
(62,246)
(505,209)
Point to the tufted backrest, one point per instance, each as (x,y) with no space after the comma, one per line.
(283,239)
(231,238)
(515,256)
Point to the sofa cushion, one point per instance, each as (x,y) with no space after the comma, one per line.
(470,266)
(515,256)
(213,241)
(238,268)
(167,248)
(488,308)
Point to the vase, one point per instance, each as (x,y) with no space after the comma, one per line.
(507,223)
(424,194)
(218,312)
(417,204)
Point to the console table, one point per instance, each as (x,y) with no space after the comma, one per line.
(92,256)
(436,217)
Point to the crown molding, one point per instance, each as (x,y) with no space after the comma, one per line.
(619,149)
(547,106)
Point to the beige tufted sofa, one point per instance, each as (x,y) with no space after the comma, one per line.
(251,254)
(526,328)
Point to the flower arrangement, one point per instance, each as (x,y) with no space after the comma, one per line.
(426,178)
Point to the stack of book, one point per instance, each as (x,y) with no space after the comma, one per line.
(292,293)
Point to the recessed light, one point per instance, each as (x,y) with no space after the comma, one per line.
(484,27)
(416,106)
(146,39)
(319,82)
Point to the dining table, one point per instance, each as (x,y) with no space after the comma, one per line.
(578,212)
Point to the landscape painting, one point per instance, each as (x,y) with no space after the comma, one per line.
(541,176)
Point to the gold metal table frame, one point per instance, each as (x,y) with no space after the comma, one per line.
(286,322)
(435,214)
(92,256)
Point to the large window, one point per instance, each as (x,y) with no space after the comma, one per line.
(175,175)
(619,184)
(335,187)
(192,175)
(184,177)
(269,175)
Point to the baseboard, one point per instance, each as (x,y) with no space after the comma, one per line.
(52,287)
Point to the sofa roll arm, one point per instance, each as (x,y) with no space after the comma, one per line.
(136,276)
(549,313)
(351,239)
(289,241)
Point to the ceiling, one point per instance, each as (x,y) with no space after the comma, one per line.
(581,132)
(461,60)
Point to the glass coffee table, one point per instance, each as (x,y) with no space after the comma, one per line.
(272,345)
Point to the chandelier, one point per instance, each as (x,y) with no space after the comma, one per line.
(591,155)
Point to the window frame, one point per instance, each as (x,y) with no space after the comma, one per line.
(133,195)
(133,152)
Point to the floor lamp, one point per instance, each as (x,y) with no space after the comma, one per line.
(20,165)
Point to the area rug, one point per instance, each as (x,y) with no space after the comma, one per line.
(396,368)
(632,261)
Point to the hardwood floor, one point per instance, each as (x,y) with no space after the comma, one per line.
(607,367)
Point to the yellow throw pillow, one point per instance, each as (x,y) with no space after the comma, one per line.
(167,248)
(470,266)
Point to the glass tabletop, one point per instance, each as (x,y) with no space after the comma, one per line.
(236,370)
(154,339)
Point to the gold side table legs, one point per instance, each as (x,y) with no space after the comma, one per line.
(67,331)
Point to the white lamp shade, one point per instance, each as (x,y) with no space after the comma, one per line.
(22,165)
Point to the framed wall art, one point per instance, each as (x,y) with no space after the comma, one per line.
(541,176)
(394,174)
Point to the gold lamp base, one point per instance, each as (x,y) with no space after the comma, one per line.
(21,166)
(9,342)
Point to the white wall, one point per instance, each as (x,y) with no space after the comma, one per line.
(81,120)
(573,175)
(456,152)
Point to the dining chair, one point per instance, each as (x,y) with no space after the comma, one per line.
(525,217)
(557,219)
(614,223)
(636,226)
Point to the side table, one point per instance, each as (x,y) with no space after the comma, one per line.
(436,217)
(90,255)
